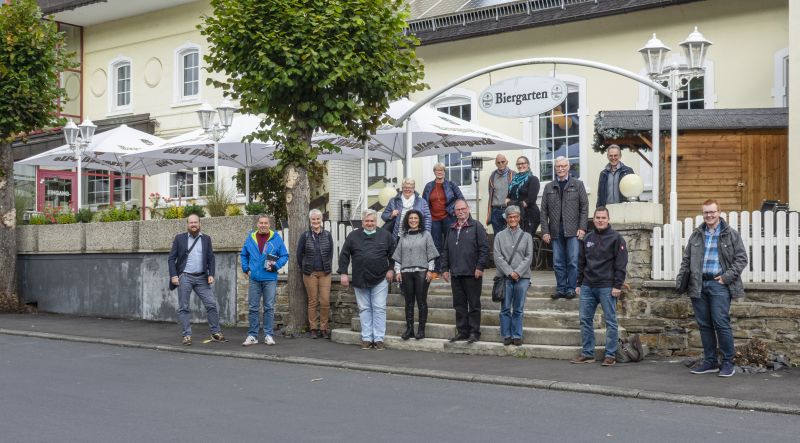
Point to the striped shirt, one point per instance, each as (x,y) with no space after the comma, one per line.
(711,266)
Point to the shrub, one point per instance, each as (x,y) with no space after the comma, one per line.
(218,200)
(65,218)
(173,213)
(37,219)
(193,209)
(85,215)
(114,214)
(233,211)
(255,208)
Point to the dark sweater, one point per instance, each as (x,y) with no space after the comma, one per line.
(603,259)
(315,251)
(371,256)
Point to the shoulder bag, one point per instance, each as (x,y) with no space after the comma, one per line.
(499,283)
(180,260)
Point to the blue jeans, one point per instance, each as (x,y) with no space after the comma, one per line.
(372,311)
(565,262)
(513,307)
(497,221)
(590,298)
(439,233)
(200,285)
(711,311)
(257,291)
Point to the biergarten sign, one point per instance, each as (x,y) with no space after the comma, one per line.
(524,96)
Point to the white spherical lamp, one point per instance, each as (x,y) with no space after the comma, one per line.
(631,186)
(386,194)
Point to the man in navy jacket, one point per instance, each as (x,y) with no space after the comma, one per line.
(191,268)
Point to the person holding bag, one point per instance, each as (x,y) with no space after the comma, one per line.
(513,251)
(414,263)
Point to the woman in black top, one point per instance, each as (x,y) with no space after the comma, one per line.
(523,192)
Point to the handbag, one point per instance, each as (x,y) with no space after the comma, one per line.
(180,259)
(499,283)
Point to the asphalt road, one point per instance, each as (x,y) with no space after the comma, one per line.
(75,392)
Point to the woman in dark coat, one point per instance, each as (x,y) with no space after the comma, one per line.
(523,192)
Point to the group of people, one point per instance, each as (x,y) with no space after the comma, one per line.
(431,235)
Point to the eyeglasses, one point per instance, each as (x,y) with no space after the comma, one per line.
(461,209)
(521,164)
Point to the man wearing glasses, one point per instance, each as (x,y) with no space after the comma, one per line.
(564,222)
(711,270)
(499,180)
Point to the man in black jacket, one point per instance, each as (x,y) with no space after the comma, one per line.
(466,251)
(371,251)
(602,266)
(191,268)
(608,186)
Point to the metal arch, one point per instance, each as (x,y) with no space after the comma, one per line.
(533,61)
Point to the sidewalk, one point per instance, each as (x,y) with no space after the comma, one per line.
(666,380)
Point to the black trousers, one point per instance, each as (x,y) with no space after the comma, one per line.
(415,288)
(467,303)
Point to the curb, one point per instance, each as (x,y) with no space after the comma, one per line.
(719,402)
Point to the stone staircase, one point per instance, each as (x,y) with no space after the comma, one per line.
(551,328)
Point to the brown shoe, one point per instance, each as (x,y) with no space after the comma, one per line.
(609,361)
(582,359)
(379,346)
(517,342)
(314,334)
(326,334)
(366,345)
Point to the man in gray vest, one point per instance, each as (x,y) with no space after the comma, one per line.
(608,187)
(498,191)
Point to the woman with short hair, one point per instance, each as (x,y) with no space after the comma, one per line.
(406,200)
(314,257)
(414,260)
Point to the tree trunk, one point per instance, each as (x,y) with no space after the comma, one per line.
(8,240)
(297,198)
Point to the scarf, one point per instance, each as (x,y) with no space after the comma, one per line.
(517,182)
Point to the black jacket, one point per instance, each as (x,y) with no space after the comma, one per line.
(179,253)
(371,255)
(732,258)
(602,192)
(528,192)
(466,251)
(307,249)
(603,260)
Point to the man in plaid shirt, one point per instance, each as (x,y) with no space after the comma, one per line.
(714,259)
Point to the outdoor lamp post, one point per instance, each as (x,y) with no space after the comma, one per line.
(476,165)
(78,138)
(655,53)
(216,130)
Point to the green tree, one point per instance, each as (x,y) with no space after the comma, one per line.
(310,65)
(32,55)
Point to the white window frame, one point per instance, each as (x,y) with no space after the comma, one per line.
(645,100)
(455,96)
(583,134)
(780,87)
(179,99)
(113,108)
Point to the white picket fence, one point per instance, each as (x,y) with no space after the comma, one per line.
(339,233)
(771,240)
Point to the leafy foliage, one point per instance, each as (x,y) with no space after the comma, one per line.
(173,213)
(267,185)
(193,209)
(84,215)
(37,219)
(233,211)
(22,202)
(114,214)
(32,56)
(66,218)
(218,200)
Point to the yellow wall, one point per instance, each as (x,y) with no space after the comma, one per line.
(745,36)
(794,103)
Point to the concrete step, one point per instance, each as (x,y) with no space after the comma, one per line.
(531,336)
(479,348)
(439,287)
(489,317)
(531,303)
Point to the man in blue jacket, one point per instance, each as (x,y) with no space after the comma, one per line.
(191,268)
(608,186)
(262,255)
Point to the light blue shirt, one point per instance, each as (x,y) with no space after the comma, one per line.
(194,262)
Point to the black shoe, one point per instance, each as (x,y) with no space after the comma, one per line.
(570,295)
(472,338)
(458,337)
(517,342)
(506,341)
(409,332)
(326,334)
(320,334)
(557,295)
(314,334)
(420,332)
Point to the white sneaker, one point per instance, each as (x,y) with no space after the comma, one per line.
(250,340)
(268,340)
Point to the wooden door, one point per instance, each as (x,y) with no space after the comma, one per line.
(709,166)
(765,167)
